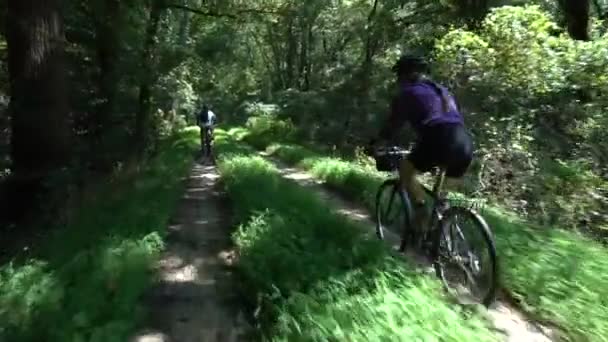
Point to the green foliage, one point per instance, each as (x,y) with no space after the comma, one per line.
(85,282)
(522,85)
(312,274)
(269,128)
(320,72)
(556,273)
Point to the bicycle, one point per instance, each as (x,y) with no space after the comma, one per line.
(207,140)
(437,240)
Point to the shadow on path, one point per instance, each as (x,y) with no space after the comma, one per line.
(193,299)
(514,327)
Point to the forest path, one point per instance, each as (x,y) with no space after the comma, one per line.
(508,321)
(193,300)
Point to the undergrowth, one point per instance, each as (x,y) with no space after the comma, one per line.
(316,276)
(85,281)
(558,275)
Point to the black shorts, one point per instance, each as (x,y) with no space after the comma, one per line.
(446,145)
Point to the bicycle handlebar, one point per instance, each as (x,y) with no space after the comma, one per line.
(391,151)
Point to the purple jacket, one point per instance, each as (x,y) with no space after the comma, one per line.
(420,104)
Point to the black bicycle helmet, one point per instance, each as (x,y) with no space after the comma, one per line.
(410,63)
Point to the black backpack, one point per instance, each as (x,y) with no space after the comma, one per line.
(203,116)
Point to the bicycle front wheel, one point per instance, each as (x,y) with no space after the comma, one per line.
(465,255)
(392,210)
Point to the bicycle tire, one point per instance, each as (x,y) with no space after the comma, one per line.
(482,227)
(396,194)
(208,142)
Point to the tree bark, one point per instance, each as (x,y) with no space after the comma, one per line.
(364,72)
(291,52)
(303,55)
(473,11)
(39,104)
(108,49)
(308,71)
(577,18)
(184,26)
(143,117)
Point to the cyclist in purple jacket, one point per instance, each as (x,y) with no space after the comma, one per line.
(442,139)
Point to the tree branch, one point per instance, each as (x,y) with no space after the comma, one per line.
(234,15)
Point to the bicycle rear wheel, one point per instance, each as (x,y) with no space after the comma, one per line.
(208,141)
(465,255)
(393,212)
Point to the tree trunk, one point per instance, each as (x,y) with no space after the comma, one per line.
(364,73)
(577,18)
(108,49)
(39,105)
(303,57)
(279,78)
(473,11)
(184,26)
(308,67)
(291,52)
(143,118)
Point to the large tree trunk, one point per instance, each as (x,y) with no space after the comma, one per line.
(144,115)
(303,55)
(577,18)
(280,81)
(363,76)
(108,49)
(184,26)
(473,11)
(290,57)
(39,106)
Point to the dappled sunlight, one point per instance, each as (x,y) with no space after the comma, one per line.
(321,273)
(187,273)
(555,273)
(96,270)
(237,133)
(108,231)
(27,293)
(151,337)
(190,300)
(206,172)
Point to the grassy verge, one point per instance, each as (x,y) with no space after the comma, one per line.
(313,275)
(558,275)
(85,281)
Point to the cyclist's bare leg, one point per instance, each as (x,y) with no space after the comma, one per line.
(208,141)
(407,174)
(454,184)
(202,133)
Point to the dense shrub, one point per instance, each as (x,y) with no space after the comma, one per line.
(264,123)
(533,99)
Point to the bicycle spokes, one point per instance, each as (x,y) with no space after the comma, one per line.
(392,212)
(461,263)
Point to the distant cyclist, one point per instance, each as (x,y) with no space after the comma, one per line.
(206,120)
(442,139)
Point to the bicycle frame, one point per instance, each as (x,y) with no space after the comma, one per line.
(434,192)
(206,138)
(436,232)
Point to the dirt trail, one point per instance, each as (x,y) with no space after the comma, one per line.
(192,301)
(510,323)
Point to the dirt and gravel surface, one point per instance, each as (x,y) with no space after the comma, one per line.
(193,300)
(507,319)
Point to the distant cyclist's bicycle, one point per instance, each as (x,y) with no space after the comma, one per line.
(207,140)
(455,256)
